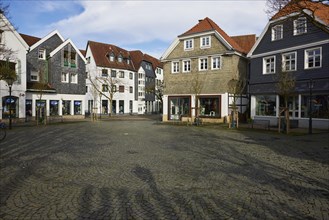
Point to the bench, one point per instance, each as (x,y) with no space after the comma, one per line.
(261,123)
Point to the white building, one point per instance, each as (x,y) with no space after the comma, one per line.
(110,71)
(11,40)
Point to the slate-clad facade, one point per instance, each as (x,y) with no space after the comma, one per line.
(55,77)
(303,52)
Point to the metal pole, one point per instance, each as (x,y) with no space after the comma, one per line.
(10,106)
(310,108)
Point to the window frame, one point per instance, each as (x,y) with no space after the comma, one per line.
(75,77)
(284,61)
(274,31)
(188,69)
(34,73)
(189,44)
(42,52)
(202,64)
(306,58)
(175,66)
(300,24)
(218,64)
(206,44)
(66,77)
(265,65)
(121,89)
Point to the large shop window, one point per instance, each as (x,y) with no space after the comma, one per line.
(320,106)
(266,105)
(77,107)
(28,107)
(293,106)
(179,106)
(66,108)
(9,107)
(209,106)
(54,107)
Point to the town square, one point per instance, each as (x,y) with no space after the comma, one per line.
(144,169)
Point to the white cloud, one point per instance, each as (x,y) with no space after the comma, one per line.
(135,22)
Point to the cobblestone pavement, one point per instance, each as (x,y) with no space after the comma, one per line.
(147,170)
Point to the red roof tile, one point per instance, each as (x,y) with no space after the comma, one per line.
(206,25)
(30,40)
(320,10)
(101,51)
(246,42)
(83,52)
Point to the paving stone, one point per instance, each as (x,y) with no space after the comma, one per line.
(147,170)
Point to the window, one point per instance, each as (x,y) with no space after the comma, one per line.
(188,44)
(111,57)
(203,63)
(66,107)
(42,54)
(209,106)
(53,105)
(121,89)
(73,60)
(131,76)
(114,88)
(216,63)
(66,58)
(205,42)
(300,26)
(113,73)
(269,65)
(105,73)
(74,78)
(131,89)
(319,108)
(186,66)
(105,88)
(120,58)
(313,58)
(121,74)
(175,67)
(77,107)
(88,59)
(266,105)
(289,62)
(148,66)
(277,32)
(179,106)
(34,76)
(65,77)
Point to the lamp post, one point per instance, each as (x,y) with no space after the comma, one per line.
(10,82)
(310,86)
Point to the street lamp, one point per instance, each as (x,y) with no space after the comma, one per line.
(310,86)
(10,82)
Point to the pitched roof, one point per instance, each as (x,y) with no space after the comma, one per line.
(246,42)
(206,25)
(83,52)
(30,40)
(137,56)
(101,51)
(320,10)
(155,62)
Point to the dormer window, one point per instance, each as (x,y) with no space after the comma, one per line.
(42,54)
(120,58)
(188,44)
(300,26)
(205,42)
(277,32)
(111,57)
(128,61)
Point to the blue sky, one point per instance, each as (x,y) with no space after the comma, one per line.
(149,26)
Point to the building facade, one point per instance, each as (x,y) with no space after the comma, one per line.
(111,81)
(13,50)
(197,68)
(295,42)
(55,77)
